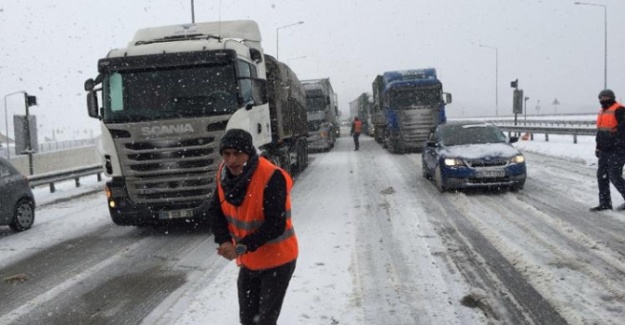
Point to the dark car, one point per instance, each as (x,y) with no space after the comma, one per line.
(472,154)
(17,203)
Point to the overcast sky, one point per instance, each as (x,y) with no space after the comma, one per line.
(554,48)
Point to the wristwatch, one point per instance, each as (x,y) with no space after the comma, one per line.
(240,249)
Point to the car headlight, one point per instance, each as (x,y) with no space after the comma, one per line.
(453,162)
(517,159)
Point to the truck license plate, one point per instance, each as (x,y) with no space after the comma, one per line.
(176,214)
(490,173)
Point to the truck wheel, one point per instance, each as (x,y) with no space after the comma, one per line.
(23,217)
(299,166)
(305,150)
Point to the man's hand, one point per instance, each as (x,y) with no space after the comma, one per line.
(597,153)
(227,251)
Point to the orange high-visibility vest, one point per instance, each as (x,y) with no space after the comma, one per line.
(247,218)
(606,120)
(357,126)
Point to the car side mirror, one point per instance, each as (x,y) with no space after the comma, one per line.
(514,139)
(431,144)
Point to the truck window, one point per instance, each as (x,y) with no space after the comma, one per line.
(115,85)
(245,85)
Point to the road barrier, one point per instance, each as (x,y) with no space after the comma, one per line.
(574,128)
(64,175)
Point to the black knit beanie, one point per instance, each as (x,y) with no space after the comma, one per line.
(237,139)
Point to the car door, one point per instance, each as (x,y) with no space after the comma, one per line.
(6,195)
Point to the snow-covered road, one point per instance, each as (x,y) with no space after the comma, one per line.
(378,243)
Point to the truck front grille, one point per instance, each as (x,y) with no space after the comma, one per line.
(170,171)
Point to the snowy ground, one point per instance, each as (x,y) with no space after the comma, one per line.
(371,253)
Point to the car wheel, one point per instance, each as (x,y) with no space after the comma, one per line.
(24,216)
(424,171)
(438,180)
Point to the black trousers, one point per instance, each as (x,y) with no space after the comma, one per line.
(356,142)
(261,293)
(610,169)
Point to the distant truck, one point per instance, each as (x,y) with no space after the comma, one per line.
(361,107)
(323,116)
(168,98)
(406,105)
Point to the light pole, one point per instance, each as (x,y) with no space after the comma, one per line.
(192,12)
(605,39)
(278,37)
(6,119)
(496,76)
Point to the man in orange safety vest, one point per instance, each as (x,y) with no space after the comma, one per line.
(250,216)
(610,149)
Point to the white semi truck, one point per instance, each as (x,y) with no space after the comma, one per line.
(166,101)
(323,114)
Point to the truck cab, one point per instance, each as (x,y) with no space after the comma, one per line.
(322,114)
(167,99)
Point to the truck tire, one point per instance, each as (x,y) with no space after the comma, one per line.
(300,152)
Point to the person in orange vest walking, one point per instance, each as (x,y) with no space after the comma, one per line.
(250,216)
(610,149)
(355,132)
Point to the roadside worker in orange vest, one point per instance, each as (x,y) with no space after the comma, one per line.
(610,149)
(250,216)
(355,132)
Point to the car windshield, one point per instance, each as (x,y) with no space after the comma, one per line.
(455,135)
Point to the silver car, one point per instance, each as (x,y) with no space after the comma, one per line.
(17,203)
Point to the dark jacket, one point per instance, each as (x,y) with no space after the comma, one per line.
(273,206)
(613,141)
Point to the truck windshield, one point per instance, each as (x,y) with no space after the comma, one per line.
(315,104)
(169,93)
(411,97)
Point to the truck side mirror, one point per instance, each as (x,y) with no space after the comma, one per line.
(256,56)
(447,98)
(89,84)
(327,100)
(92,104)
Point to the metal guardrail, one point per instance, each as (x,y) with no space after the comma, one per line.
(553,123)
(63,175)
(531,130)
(574,128)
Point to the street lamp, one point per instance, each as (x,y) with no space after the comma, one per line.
(496,76)
(6,119)
(278,36)
(605,39)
